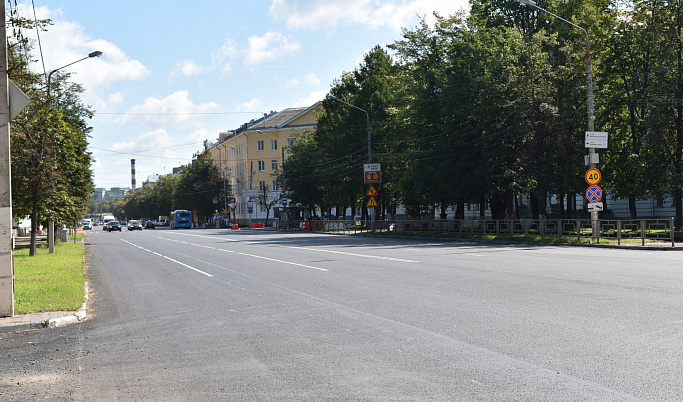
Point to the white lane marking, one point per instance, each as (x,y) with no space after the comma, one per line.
(185,265)
(352,254)
(169,258)
(244,254)
(280,261)
(308,249)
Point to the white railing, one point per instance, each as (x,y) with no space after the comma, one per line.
(645,230)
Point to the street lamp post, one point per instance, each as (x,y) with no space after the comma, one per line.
(592,156)
(96,53)
(367,119)
(51,224)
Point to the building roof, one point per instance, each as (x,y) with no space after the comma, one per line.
(279,119)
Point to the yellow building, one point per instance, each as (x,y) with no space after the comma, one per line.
(250,158)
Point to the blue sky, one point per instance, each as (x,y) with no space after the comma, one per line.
(174,74)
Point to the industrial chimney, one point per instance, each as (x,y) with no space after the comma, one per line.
(132,173)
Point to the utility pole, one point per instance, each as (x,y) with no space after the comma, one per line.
(6,251)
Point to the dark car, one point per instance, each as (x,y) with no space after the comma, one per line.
(134,225)
(149,224)
(114,225)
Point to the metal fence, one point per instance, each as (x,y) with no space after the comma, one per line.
(584,230)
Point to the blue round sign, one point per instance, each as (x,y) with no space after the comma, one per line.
(594,193)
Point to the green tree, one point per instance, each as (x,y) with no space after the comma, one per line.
(51,176)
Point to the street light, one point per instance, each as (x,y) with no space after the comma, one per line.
(51,224)
(96,53)
(367,116)
(589,95)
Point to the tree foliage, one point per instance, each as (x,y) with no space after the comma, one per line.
(51,176)
(484,108)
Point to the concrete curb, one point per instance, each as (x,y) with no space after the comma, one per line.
(78,316)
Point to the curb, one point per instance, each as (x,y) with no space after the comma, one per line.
(78,316)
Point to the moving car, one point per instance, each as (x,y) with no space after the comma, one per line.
(149,224)
(113,225)
(134,225)
(87,224)
(106,219)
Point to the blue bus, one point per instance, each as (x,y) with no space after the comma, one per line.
(181,219)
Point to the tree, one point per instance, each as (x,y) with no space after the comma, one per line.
(51,176)
(267,200)
(198,185)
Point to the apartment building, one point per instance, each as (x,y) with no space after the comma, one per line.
(251,157)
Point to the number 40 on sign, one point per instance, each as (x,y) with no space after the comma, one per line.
(593,176)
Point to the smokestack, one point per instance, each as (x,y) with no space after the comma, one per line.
(132,173)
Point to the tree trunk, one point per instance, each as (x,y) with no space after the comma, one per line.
(632,207)
(34,227)
(460,209)
(482,207)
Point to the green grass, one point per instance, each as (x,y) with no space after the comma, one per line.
(49,282)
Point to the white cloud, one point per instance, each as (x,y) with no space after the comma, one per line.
(186,68)
(224,55)
(314,97)
(174,109)
(66,42)
(151,140)
(269,47)
(293,82)
(327,15)
(312,79)
(252,105)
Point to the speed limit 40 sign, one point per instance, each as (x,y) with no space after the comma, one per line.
(593,176)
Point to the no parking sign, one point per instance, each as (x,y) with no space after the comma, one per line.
(594,193)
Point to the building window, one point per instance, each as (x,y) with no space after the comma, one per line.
(273,186)
(290,141)
(259,145)
(273,165)
(261,166)
(273,145)
(261,185)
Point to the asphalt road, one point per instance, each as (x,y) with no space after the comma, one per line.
(258,315)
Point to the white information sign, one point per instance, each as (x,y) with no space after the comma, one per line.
(371,167)
(596,139)
(594,206)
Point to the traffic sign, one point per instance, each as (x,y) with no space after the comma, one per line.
(372,191)
(372,173)
(596,139)
(593,176)
(595,206)
(594,193)
(372,202)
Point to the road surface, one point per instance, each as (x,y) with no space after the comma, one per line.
(259,315)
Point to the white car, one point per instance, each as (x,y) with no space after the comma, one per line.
(87,224)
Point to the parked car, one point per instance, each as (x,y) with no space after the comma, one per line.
(134,225)
(149,224)
(113,225)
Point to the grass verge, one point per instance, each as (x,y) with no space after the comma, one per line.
(49,282)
